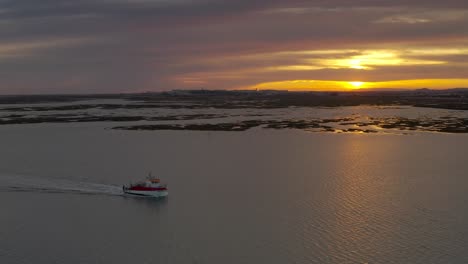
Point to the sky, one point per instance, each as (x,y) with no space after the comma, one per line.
(119,46)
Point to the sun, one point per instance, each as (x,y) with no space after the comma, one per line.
(356,85)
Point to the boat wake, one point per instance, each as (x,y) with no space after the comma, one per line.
(18,183)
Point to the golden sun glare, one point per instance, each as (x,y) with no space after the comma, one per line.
(356,85)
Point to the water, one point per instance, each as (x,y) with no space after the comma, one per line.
(259,196)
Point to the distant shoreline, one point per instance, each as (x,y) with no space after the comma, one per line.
(456,99)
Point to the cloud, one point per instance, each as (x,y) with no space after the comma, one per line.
(404,20)
(426,16)
(118,45)
(22,49)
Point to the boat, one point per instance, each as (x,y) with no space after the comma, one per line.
(151,187)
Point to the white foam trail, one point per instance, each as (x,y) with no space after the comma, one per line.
(19,183)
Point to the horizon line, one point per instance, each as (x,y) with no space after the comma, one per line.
(360,90)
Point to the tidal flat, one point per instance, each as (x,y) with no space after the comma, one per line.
(365,112)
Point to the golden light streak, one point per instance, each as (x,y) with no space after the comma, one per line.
(356,64)
(371,58)
(421,83)
(305,85)
(438,51)
(292,68)
(325,85)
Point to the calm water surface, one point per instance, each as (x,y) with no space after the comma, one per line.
(249,197)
